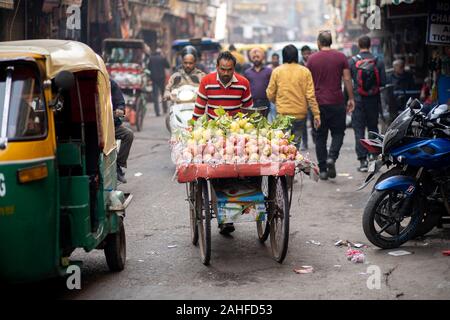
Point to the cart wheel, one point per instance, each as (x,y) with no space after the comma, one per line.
(263,227)
(204,221)
(279,218)
(193,200)
(115,249)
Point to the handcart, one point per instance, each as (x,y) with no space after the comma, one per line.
(204,183)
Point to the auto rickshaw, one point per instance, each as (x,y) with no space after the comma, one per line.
(126,64)
(57,160)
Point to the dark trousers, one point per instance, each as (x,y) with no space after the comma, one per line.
(297,131)
(126,136)
(258,103)
(158,92)
(364,116)
(332,118)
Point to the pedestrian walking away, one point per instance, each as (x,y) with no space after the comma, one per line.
(157,66)
(368,74)
(329,68)
(291,87)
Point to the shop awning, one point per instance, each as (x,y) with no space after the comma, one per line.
(7,4)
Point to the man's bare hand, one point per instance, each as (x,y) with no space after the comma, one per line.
(119,113)
(317,123)
(350,105)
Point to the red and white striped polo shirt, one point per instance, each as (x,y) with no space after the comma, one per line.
(213,94)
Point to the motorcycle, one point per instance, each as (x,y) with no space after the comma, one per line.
(413,196)
(183,101)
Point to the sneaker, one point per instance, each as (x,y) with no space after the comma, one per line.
(331,168)
(363,166)
(121,175)
(226,228)
(323,175)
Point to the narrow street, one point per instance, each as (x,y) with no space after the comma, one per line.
(162,263)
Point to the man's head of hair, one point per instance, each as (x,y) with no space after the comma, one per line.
(226,64)
(226,55)
(325,39)
(188,62)
(290,54)
(232,47)
(257,56)
(305,48)
(364,42)
(399,66)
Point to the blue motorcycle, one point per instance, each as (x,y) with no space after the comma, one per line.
(417,144)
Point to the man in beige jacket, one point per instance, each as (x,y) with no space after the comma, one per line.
(291,87)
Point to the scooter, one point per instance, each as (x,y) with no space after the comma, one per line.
(413,197)
(183,102)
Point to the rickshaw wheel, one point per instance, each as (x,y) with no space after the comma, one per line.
(140,114)
(279,218)
(204,221)
(115,249)
(263,227)
(193,200)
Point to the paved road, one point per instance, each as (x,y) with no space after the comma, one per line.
(241,268)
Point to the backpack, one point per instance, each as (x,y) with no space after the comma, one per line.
(367,76)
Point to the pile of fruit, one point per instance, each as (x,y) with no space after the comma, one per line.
(238,139)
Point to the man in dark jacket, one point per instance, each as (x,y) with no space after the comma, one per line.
(367,106)
(122,133)
(158,65)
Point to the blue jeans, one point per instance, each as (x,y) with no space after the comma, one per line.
(272,112)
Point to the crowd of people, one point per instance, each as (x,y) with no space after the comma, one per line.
(309,89)
(320,89)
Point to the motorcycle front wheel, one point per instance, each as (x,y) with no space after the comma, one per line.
(386,222)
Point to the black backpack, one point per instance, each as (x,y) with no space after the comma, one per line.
(367,76)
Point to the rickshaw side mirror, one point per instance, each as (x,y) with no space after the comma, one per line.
(64,80)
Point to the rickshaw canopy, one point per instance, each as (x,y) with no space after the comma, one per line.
(73,56)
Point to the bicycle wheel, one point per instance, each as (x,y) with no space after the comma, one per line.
(263,227)
(192,199)
(204,221)
(279,218)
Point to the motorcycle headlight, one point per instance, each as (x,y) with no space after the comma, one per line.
(186,95)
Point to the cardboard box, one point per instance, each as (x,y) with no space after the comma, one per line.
(240,203)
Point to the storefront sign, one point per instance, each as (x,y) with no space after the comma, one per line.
(7,4)
(438,22)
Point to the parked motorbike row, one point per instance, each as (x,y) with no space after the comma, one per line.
(412,196)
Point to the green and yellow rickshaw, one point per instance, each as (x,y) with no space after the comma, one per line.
(57,160)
